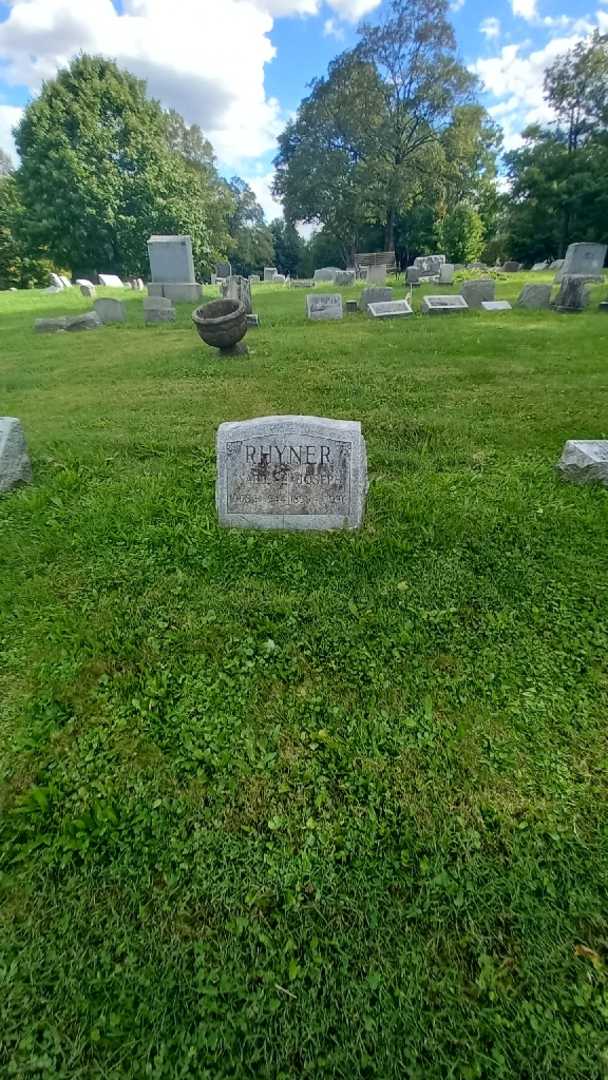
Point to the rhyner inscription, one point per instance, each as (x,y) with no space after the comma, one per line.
(291,472)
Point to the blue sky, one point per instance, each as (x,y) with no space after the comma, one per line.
(239,68)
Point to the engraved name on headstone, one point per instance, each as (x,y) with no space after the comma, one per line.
(324,306)
(291,472)
(389,309)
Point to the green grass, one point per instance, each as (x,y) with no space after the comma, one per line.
(277,805)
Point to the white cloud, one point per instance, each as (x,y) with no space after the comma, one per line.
(456,5)
(490,27)
(526,9)
(204,58)
(349,10)
(331,28)
(261,185)
(10,116)
(353,10)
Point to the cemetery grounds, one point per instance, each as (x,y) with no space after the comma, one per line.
(319,805)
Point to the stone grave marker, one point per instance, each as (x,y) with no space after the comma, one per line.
(158,309)
(238,288)
(172,269)
(584,461)
(377,295)
(345,278)
(376,275)
(443,305)
(56,281)
(511,267)
(476,291)
(540,266)
(110,311)
(603,307)
(223,269)
(326,273)
(495,305)
(88,321)
(413,275)
(446,274)
(270,272)
(254,279)
(585,259)
(556,265)
(389,309)
(15,467)
(303,283)
(352,307)
(324,306)
(88,291)
(534,297)
(291,472)
(67,284)
(573,293)
(429,264)
(111,281)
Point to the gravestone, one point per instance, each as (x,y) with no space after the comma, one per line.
(279,279)
(254,279)
(573,293)
(326,273)
(376,275)
(584,461)
(603,307)
(85,281)
(158,309)
(303,283)
(238,288)
(67,284)
(56,281)
(495,305)
(172,269)
(511,267)
(375,296)
(89,321)
(476,266)
(534,297)
(476,291)
(88,291)
(352,307)
(413,275)
(270,272)
(345,278)
(110,311)
(15,467)
(291,472)
(556,265)
(389,309)
(324,306)
(111,281)
(443,305)
(539,266)
(429,264)
(223,269)
(446,274)
(585,259)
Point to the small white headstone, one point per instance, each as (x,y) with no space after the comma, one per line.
(376,275)
(584,461)
(56,281)
(495,305)
(291,472)
(15,467)
(111,281)
(389,309)
(446,273)
(270,272)
(443,305)
(324,306)
(110,311)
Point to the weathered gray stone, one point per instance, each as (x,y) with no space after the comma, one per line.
(158,309)
(555,265)
(188,292)
(495,305)
(326,273)
(88,291)
(413,275)
(238,288)
(89,321)
(389,309)
(573,293)
(171,259)
(534,296)
(476,291)
(376,275)
(303,283)
(111,281)
(15,467)
(56,281)
(110,311)
(446,273)
(539,267)
(279,279)
(67,284)
(511,267)
(585,259)
(291,472)
(443,305)
(476,266)
(429,264)
(584,461)
(324,306)
(223,269)
(270,272)
(254,279)
(378,295)
(85,281)
(345,278)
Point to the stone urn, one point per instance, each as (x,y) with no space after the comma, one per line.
(222,324)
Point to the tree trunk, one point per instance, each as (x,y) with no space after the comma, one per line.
(389,231)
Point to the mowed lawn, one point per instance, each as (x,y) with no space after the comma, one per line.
(330,805)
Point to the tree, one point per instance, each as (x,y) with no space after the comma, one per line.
(462,234)
(289,248)
(367,140)
(6,165)
(17,268)
(98,174)
(251,244)
(558,178)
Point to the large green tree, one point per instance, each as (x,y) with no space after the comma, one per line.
(369,139)
(558,183)
(98,173)
(251,243)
